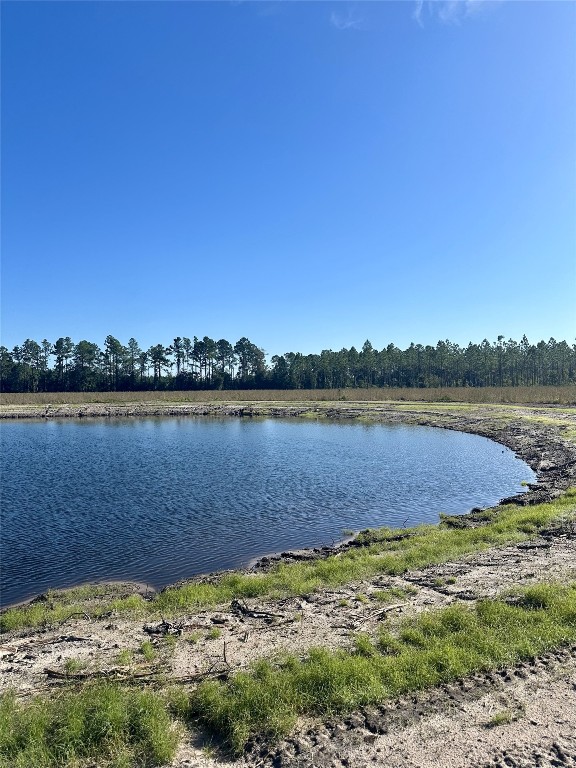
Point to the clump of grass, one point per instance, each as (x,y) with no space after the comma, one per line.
(124,658)
(147,650)
(58,607)
(102,724)
(71,666)
(214,633)
(430,649)
(391,594)
(384,551)
(505,717)
(364,646)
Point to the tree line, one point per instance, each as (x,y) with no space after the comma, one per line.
(207,364)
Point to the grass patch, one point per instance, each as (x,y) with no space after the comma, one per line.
(72,666)
(430,649)
(391,594)
(384,551)
(148,651)
(57,606)
(124,658)
(505,717)
(103,724)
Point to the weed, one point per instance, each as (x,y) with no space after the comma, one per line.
(124,658)
(214,633)
(209,751)
(71,666)
(147,650)
(505,717)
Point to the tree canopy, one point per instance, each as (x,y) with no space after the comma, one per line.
(202,363)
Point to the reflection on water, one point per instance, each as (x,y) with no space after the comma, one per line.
(160,499)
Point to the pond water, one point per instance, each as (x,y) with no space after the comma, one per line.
(160,499)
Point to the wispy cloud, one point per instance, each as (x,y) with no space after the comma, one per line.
(450,11)
(417,13)
(349,20)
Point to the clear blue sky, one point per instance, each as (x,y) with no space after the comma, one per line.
(306,174)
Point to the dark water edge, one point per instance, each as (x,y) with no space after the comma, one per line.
(156,500)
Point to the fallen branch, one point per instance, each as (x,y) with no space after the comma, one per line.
(125,676)
(240,607)
(77,613)
(28,644)
(59,675)
(381,612)
(389,608)
(164,628)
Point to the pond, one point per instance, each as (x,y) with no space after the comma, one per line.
(155,500)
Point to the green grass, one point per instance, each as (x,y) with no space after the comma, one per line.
(391,594)
(57,606)
(383,552)
(505,717)
(102,724)
(147,650)
(434,648)
(124,658)
(71,666)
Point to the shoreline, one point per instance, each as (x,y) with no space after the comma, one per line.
(133,587)
(552,458)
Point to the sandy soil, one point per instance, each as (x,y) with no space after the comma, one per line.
(447,727)
(523,716)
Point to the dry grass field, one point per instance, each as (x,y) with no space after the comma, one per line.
(564,395)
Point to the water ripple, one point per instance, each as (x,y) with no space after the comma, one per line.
(156,500)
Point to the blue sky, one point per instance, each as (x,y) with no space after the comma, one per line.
(306,174)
